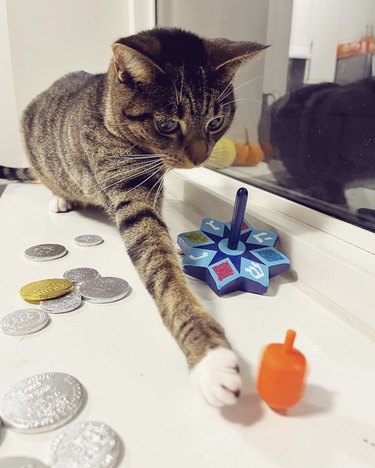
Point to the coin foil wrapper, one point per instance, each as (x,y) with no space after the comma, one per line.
(45,252)
(80,275)
(88,240)
(42,402)
(90,444)
(24,322)
(61,305)
(46,289)
(104,289)
(21,462)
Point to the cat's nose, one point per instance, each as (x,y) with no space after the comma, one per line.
(197,150)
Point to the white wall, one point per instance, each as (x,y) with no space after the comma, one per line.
(325,26)
(278,37)
(354,16)
(11,148)
(301,34)
(47,39)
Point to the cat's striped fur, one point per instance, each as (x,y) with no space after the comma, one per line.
(92,139)
(20,174)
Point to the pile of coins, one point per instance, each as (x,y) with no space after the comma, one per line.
(45,402)
(61,295)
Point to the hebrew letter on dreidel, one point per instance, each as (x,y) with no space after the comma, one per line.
(204,255)
(259,237)
(211,223)
(255,270)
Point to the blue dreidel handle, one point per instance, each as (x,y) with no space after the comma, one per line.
(237,219)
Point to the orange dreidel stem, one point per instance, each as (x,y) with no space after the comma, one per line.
(282,373)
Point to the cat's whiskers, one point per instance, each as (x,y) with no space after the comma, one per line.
(159,190)
(125,164)
(137,156)
(161,186)
(231,81)
(176,92)
(130,167)
(130,164)
(238,87)
(152,166)
(182,81)
(143,157)
(124,180)
(136,169)
(145,180)
(169,167)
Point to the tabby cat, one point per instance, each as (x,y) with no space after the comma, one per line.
(108,139)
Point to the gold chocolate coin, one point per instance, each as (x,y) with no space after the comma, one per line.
(46,289)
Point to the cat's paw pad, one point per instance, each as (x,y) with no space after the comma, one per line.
(59,205)
(217,377)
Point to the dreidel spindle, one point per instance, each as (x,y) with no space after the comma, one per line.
(237,218)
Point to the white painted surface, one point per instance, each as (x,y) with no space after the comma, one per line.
(144,14)
(301,34)
(49,39)
(135,375)
(278,37)
(354,16)
(43,40)
(11,148)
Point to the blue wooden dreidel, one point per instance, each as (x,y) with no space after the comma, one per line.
(232,256)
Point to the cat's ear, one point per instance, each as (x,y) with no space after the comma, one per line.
(129,60)
(225,57)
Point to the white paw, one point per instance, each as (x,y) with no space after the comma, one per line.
(59,205)
(217,377)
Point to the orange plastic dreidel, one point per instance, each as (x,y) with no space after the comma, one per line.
(281,373)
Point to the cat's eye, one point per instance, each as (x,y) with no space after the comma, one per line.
(167,126)
(215,124)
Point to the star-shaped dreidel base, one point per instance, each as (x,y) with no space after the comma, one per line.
(227,262)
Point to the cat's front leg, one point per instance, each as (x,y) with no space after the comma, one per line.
(214,366)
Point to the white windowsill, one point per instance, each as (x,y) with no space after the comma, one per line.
(333,257)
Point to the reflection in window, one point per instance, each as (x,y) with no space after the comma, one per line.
(315,138)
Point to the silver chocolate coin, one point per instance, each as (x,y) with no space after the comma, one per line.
(104,289)
(21,462)
(45,252)
(24,322)
(89,444)
(80,275)
(60,305)
(42,402)
(88,240)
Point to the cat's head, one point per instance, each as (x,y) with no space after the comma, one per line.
(169,92)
